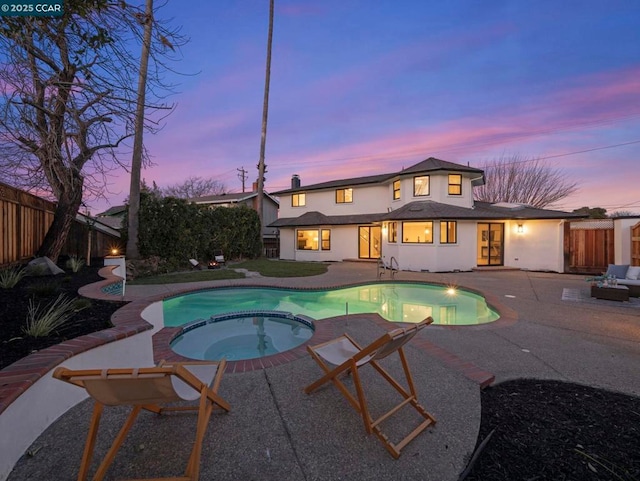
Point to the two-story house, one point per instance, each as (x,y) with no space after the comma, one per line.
(423,216)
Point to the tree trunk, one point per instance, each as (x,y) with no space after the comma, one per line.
(265,111)
(68,205)
(136,160)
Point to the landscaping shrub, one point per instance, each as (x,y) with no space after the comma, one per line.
(10,277)
(75,263)
(176,230)
(42,321)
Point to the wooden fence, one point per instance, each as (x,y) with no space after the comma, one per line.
(589,246)
(24,221)
(635,245)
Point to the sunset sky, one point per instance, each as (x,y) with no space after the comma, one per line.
(369,87)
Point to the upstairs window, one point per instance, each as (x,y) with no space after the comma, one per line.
(417,232)
(298,200)
(448,232)
(396,190)
(455,184)
(421,186)
(344,196)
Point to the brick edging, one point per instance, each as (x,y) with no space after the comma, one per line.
(19,376)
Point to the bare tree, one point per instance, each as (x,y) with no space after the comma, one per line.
(195,187)
(265,110)
(67,102)
(624,213)
(523,181)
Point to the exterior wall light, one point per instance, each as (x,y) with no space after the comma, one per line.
(520,229)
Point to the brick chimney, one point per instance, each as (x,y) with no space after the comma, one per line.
(295,181)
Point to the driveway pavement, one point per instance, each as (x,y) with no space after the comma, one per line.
(276,432)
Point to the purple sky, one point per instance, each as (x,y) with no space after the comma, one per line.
(363,87)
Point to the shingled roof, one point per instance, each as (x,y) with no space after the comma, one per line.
(429,165)
(433,164)
(229,198)
(430,210)
(315,218)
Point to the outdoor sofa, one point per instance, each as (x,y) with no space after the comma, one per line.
(626,275)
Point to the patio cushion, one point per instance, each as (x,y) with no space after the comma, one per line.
(618,270)
(633,273)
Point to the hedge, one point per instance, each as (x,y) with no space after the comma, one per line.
(175,229)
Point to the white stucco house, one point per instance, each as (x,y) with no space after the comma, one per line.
(423,216)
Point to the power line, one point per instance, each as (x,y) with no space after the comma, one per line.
(405,153)
(576,152)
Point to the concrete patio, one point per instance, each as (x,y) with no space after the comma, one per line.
(275,431)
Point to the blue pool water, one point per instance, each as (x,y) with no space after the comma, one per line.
(394,301)
(242,336)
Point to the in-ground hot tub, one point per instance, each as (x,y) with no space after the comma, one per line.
(242,335)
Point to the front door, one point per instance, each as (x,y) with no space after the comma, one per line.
(369,242)
(490,244)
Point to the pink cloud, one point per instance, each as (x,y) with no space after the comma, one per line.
(586,112)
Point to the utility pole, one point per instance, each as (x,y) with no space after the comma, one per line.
(242,175)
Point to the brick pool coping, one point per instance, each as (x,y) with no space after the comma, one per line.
(16,378)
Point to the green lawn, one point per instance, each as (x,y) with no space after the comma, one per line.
(191,276)
(266,267)
(277,268)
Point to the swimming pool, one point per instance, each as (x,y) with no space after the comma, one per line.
(242,335)
(394,301)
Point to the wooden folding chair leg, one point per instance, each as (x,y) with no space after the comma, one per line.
(332,375)
(90,443)
(204,414)
(115,446)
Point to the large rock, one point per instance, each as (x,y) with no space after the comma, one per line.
(43,266)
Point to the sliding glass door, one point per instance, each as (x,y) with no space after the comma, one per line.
(369,242)
(490,244)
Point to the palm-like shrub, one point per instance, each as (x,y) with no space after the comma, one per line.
(10,277)
(42,321)
(75,263)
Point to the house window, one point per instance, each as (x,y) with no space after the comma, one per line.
(393,232)
(344,196)
(396,190)
(421,186)
(308,240)
(417,232)
(298,200)
(326,239)
(448,232)
(455,184)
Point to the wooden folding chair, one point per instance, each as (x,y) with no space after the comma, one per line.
(148,388)
(348,356)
